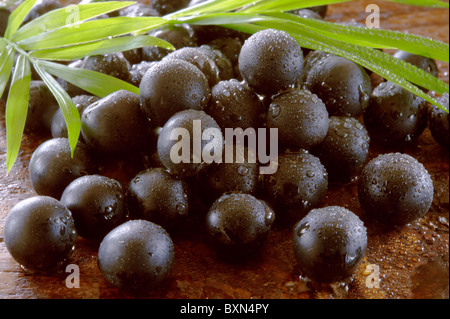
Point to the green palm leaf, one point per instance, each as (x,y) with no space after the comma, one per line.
(71,15)
(68,108)
(423,3)
(88,31)
(17,108)
(79,51)
(96,83)
(6,64)
(16,18)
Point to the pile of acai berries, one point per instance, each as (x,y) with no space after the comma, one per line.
(322,108)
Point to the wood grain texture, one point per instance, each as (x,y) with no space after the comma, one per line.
(413,260)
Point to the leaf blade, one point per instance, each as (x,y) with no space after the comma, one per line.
(17,108)
(210,6)
(222,18)
(6,64)
(100,47)
(17,16)
(60,17)
(95,83)
(2,44)
(376,38)
(68,108)
(285,5)
(423,3)
(89,31)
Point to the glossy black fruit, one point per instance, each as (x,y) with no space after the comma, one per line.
(159,197)
(234,105)
(226,68)
(138,70)
(97,204)
(168,6)
(307,13)
(299,184)
(138,10)
(341,84)
(427,64)
(329,244)
(438,121)
(395,189)
(200,59)
(312,58)
(239,223)
(113,64)
(133,56)
(179,36)
(231,47)
(137,255)
(39,233)
(171,86)
(182,147)
(345,149)
(52,166)
(321,10)
(300,117)
(395,116)
(59,126)
(207,33)
(270,61)
(41,108)
(116,124)
(241,174)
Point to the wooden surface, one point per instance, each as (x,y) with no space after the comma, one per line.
(413,260)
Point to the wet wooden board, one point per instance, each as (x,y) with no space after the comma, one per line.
(413,260)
